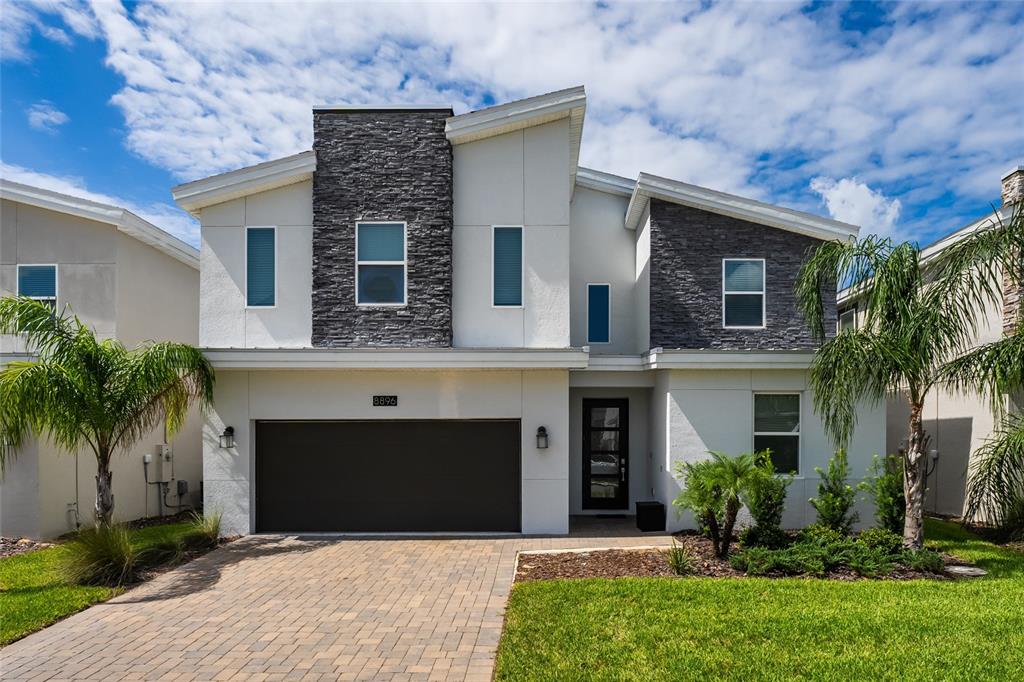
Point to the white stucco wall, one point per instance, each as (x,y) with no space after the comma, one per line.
(535,397)
(520,178)
(642,286)
(224,321)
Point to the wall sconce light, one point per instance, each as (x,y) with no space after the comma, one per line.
(542,438)
(227,439)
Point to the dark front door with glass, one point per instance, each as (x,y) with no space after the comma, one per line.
(605,454)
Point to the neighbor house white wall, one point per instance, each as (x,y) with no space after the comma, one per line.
(520,178)
(224,321)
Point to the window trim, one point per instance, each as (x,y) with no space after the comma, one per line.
(245,279)
(404,263)
(839,318)
(522,268)
(754,433)
(763,293)
(600,284)
(56,283)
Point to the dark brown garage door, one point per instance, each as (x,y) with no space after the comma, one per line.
(387,476)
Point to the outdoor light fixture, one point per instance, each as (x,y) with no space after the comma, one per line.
(542,438)
(227,439)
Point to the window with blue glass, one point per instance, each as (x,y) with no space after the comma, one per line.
(508,266)
(260,267)
(38,282)
(743,303)
(380,263)
(599,313)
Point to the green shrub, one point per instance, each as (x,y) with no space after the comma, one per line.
(835,499)
(100,556)
(712,490)
(922,560)
(881,539)
(820,535)
(766,500)
(795,560)
(759,536)
(203,532)
(885,489)
(869,562)
(679,560)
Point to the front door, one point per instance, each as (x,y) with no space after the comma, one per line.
(605,453)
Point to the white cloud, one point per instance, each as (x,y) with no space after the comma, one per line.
(852,201)
(21,17)
(164,216)
(46,117)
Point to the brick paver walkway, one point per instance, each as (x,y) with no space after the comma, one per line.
(266,608)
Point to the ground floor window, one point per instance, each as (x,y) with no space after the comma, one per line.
(777,428)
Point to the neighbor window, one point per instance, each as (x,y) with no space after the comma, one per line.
(599,313)
(507,262)
(743,293)
(777,428)
(260,267)
(380,263)
(39,282)
(848,319)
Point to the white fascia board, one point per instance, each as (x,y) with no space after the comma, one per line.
(397,358)
(651,186)
(605,182)
(616,363)
(719,360)
(123,219)
(216,189)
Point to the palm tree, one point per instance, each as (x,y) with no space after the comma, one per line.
(920,314)
(714,490)
(83,392)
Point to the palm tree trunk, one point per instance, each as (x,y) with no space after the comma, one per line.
(914,463)
(732,508)
(104,491)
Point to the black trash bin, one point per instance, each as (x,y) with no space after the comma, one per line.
(650,516)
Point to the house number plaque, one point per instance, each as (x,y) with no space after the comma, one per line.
(385,401)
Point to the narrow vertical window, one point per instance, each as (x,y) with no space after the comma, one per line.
(848,319)
(507,261)
(599,313)
(380,264)
(39,282)
(777,428)
(743,293)
(260,267)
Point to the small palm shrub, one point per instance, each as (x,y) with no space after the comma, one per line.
(766,500)
(881,539)
(835,499)
(679,560)
(885,489)
(100,556)
(712,490)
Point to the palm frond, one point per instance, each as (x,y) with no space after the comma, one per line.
(995,369)
(996,479)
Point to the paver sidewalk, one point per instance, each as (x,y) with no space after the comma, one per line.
(271,608)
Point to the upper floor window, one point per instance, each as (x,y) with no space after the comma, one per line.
(743,296)
(599,313)
(777,428)
(848,319)
(381,263)
(261,267)
(39,282)
(507,262)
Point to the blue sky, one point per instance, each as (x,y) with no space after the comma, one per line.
(899,117)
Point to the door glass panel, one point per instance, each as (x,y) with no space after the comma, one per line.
(606,464)
(604,489)
(607,417)
(604,441)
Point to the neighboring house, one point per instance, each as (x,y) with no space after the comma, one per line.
(958,424)
(442,323)
(128,280)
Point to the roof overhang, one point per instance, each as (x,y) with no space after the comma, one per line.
(659,358)
(605,182)
(397,358)
(653,187)
(570,103)
(216,189)
(123,219)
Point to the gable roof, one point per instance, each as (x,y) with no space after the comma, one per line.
(605,182)
(121,218)
(651,186)
(216,189)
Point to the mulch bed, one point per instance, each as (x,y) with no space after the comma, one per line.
(12,546)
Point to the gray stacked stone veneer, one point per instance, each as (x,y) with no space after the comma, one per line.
(382,165)
(687,248)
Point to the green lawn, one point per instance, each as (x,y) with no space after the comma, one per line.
(32,594)
(764,629)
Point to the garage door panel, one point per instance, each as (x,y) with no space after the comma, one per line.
(388,476)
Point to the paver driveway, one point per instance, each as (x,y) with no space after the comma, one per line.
(299,608)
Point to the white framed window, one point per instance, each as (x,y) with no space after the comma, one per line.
(599,313)
(507,266)
(743,293)
(847,320)
(261,267)
(38,281)
(381,263)
(777,428)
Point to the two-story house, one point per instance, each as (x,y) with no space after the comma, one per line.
(441,323)
(129,280)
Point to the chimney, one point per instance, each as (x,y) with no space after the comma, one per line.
(1013,186)
(1013,192)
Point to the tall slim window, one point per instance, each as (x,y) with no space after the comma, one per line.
(507,262)
(260,267)
(599,313)
(743,295)
(380,263)
(848,319)
(777,428)
(39,282)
